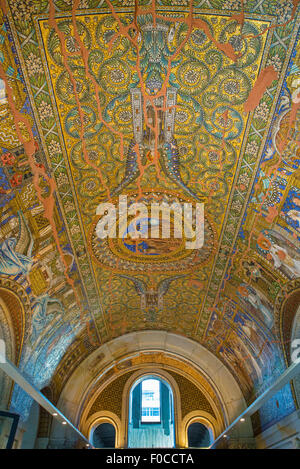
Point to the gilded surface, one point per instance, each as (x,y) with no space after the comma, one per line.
(201,104)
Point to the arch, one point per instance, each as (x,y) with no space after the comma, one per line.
(18,306)
(295,336)
(198,435)
(199,416)
(125,352)
(164,430)
(123,348)
(12,331)
(12,316)
(138,376)
(98,419)
(290,328)
(104,436)
(7,335)
(288,310)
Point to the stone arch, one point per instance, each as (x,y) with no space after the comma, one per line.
(161,374)
(134,351)
(290,328)
(295,336)
(16,304)
(202,417)
(286,305)
(103,417)
(14,321)
(7,336)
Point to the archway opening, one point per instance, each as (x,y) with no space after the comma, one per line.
(151,414)
(199,436)
(104,436)
(294,350)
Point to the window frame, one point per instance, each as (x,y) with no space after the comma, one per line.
(150,422)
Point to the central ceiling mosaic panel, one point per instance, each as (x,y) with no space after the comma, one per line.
(171,125)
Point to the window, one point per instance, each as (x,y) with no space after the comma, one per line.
(150,401)
(151,414)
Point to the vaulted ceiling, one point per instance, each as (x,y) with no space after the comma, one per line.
(166,101)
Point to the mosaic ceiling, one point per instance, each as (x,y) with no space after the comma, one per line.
(167,101)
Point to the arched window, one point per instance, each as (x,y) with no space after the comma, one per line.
(151,414)
(199,436)
(104,436)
